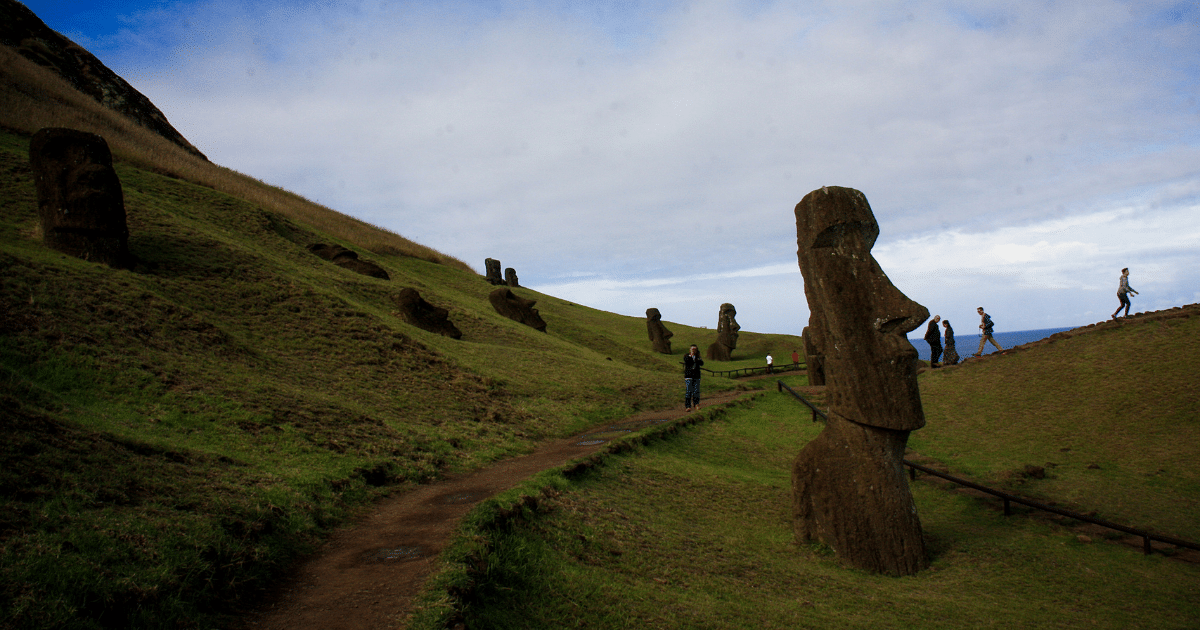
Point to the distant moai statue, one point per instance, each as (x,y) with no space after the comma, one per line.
(516,308)
(660,337)
(848,485)
(510,277)
(493,271)
(813,357)
(80,203)
(348,259)
(416,311)
(727,334)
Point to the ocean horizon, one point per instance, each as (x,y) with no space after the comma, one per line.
(967,342)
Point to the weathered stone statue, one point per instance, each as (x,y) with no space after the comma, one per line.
(516,308)
(660,337)
(510,277)
(813,356)
(348,259)
(848,484)
(493,271)
(416,311)
(727,334)
(80,203)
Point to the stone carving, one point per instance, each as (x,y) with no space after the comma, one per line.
(660,337)
(848,484)
(727,334)
(80,203)
(493,271)
(510,277)
(416,311)
(813,356)
(348,259)
(516,308)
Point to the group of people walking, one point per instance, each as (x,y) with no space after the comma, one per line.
(933,336)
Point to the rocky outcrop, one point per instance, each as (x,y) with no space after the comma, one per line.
(848,485)
(80,203)
(660,337)
(348,259)
(416,311)
(727,334)
(516,308)
(22,30)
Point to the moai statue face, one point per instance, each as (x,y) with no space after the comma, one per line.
(660,337)
(516,308)
(862,318)
(727,326)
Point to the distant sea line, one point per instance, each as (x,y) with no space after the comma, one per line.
(967,342)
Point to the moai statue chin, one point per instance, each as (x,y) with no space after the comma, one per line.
(80,203)
(660,337)
(848,484)
(727,334)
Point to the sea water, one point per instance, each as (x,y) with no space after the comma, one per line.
(967,342)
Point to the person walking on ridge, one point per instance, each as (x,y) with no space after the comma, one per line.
(1123,291)
(933,337)
(691,378)
(985,331)
(951,355)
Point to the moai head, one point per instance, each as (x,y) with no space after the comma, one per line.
(80,203)
(861,318)
(493,271)
(510,277)
(660,337)
(416,311)
(516,308)
(727,326)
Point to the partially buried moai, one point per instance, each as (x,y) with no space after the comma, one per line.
(516,308)
(660,337)
(80,203)
(848,484)
(727,334)
(492,271)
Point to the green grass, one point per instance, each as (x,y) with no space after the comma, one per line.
(695,532)
(176,434)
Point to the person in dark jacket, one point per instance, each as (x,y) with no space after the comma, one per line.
(951,355)
(933,337)
(985,331)
(691,378)
(1123,291)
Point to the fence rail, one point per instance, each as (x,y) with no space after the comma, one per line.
(1008,499)
(762,369)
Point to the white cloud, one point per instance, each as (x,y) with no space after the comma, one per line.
(992,140)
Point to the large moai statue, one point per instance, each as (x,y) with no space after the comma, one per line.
(416,311)
(814,357)
(660,337)
(493,271)
(848,485)
(727,334)
(510,277)
(516,308)
(80,203)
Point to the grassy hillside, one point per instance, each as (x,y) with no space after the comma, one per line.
(694,531)
(175,432)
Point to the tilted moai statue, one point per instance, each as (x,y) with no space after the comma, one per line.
(510,277)
(416,311)
(348,259)
(516,308)
(813,357)
(727,334)
(848,485)
(660,337)
(80,203)
(493,271)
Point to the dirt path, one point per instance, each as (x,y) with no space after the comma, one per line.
(365,576)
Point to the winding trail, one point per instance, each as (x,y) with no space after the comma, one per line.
(366,575)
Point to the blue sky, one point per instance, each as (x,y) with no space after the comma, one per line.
(628,155)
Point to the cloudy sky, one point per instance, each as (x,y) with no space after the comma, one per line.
(627,155)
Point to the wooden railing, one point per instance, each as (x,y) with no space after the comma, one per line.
(762,369)
(1012,498)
